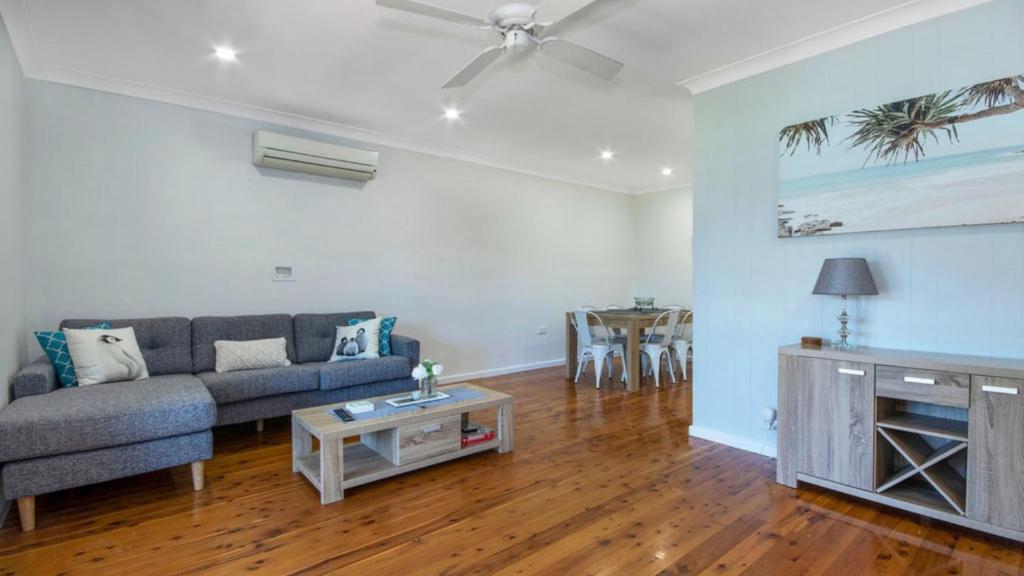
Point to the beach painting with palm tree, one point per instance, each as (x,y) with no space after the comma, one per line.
(953,158)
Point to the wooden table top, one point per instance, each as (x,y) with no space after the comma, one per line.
(321,423)
(630,314)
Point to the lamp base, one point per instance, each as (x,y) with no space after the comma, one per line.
(844,329)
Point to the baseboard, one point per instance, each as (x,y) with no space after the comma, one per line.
(735,441)
(448,379)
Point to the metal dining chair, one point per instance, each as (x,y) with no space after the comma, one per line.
(612,308)
(655,345)
(597,343)
(660,330)
(682,343)
(617,332)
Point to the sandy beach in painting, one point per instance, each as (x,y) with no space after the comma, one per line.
(984,187)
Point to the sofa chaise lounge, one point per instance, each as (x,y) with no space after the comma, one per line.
(54,438)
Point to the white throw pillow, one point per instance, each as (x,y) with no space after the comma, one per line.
(357,342)
(105,355)
(251,354)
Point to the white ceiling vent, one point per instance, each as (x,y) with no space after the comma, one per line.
(274,150)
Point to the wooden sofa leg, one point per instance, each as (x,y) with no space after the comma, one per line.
(27,513)
(198,475)
(259,425)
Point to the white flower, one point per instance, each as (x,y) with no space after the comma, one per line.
(438,369)
(419,372)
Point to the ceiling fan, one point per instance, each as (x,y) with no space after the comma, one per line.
(521,25)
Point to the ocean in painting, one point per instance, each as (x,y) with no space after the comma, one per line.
(982,187)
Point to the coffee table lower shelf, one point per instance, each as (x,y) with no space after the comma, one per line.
(363,465)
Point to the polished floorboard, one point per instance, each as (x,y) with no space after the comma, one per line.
(600,482)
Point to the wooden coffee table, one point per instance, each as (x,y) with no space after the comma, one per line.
(389,444)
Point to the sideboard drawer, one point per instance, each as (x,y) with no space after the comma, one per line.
(428,439)
(944,388)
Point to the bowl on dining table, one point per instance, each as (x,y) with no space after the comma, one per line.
(643,303)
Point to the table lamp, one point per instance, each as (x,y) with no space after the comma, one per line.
(845,277)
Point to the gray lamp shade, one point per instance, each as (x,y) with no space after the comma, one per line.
(846,277)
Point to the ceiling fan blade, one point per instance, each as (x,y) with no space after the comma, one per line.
(474,68)
(433,12)
(551,11)
(580,57)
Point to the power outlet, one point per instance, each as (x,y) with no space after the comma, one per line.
(542,330)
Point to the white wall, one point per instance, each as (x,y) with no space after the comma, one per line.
(12,325)
(144,209)
(945,290)
(663,222)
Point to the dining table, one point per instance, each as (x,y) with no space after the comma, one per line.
(633,323)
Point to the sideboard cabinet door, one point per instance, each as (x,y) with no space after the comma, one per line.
(835,427)
(995,456)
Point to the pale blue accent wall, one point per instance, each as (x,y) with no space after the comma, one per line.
(12,318)
(948,290)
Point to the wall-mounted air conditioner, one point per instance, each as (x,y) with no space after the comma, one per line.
(299,155)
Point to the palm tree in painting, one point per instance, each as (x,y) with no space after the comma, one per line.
(901,128)
(898,131)
(998,96)
(813,133)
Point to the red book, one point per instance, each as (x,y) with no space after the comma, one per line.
(477,438)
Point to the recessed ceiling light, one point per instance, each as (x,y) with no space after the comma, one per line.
(452,113)
(667,171)
(607,155)
(225,54)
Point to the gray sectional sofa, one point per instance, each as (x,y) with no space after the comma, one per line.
(54,438)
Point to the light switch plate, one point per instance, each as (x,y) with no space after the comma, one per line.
(284,274)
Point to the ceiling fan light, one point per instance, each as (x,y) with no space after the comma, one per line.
(518,41)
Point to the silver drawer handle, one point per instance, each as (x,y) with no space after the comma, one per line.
(851,372)
(430,428)
(1000,390)
(913,380)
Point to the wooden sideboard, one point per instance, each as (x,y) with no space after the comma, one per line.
(939,435)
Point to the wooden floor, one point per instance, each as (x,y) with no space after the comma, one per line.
(600,482)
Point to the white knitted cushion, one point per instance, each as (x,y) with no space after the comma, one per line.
(251,354)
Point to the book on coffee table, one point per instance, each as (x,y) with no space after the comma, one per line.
(359,406)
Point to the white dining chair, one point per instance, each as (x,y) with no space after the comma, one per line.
(656,345)
(678,307)
(597,343)
(612,308)
(682,343)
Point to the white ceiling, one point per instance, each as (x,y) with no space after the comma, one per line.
(351,63)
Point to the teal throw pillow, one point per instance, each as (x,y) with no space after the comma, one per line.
(55,344)
(386,326)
